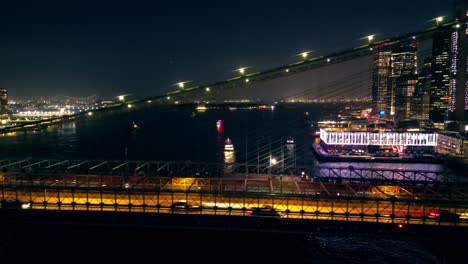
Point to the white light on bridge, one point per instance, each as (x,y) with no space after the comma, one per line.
(129,106)
(207,89)
(247,80)
(90,113)
(242,70)
(121,97)
(168,98)
(273,161)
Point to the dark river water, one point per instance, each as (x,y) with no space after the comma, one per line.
(183,134)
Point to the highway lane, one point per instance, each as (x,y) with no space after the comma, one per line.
(235,205)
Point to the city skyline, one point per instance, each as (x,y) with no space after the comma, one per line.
(123,48)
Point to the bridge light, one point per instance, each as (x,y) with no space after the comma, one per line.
(273,161)
(457,25)
(304,54)
(207,89)
(247,80)
(369,38)
(242,70)
(129,106)
(181,85)
(438,20)
(168,98)
(121,97)
(287,70)
(328,60)
(90,113)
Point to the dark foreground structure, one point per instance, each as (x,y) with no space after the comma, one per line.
(75,236)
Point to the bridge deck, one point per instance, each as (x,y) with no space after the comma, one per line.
(292,197)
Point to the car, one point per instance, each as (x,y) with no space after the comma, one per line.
(265,211)
(443,215)
(183,205)
(14,204)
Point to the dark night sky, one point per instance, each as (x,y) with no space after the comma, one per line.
(80,48)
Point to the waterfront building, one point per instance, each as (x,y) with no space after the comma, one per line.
(451,143)
(380,142)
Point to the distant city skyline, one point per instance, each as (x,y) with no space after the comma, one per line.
(143,48)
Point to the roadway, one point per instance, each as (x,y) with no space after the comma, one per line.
(305,207)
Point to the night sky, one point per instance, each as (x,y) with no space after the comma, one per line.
(82,48)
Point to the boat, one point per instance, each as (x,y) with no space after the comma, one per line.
(290,140)
(228,146)
(132,127)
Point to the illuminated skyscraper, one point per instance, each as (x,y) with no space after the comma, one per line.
(3,100)
(381,90)
(440,76)
(404,79)
(459,95)
(421,97)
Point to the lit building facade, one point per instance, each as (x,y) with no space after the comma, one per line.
(3,100)
(379,139)
(381,89)
(440,76)
(451,144)
(421,97)
(459,90)
(404,79)
(394,80)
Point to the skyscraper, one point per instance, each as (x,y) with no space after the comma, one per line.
(3,100)
(460,39)
(404,79)
(440,76)
(381,90)
(421,97)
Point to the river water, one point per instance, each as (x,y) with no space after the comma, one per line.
(183,134)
